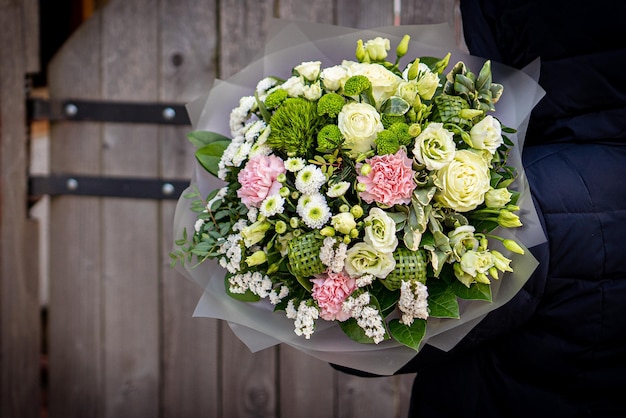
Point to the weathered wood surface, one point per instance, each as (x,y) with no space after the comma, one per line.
(122,339)
(19,300)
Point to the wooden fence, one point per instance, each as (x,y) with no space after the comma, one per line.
(121,339)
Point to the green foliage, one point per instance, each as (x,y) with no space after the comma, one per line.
(408,335)
(209,156)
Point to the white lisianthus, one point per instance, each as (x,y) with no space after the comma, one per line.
(380,231)
(497,198)
(294,86)
(384,82)
(377,48)
(254,233)
(408,91)
(343,222)
(362,259)
(359,123)
(463,182)
(487,134)
(334,77)
(475,262)
(462,239)
(312,92)
(309,69)
(434,147)
(427,82)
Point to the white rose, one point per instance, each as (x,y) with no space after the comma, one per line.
(380,231)
(343,222)
(334,77)
(359,123)
(294,86)
(463,182)
(434,147)
(377,48)
(364,259)
(384,82)
(427,82)
(486,134)
(309,70)
(312,92)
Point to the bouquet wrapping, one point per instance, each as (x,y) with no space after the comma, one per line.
(357,205)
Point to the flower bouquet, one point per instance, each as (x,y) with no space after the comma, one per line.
(367,198)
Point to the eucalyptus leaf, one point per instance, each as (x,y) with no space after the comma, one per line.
(408,335)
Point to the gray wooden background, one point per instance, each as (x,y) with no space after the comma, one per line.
(121,339)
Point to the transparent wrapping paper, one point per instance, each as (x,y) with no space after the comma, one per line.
(289,44)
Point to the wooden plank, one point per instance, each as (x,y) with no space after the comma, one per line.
(190,355)
(30,34)
(19,302)
(131,294)
(363,14)
(75,370)
(427,11)
(319,11)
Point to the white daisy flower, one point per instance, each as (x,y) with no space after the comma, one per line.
(310,179)
(272,205)
(294,164)
(316,215)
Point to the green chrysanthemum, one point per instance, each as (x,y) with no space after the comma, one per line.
(356,85)
(293,127)
(275,98)
(389,120)
(330,104)
(386,143)
(401,130)
(329,138)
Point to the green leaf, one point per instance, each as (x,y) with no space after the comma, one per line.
(355,332)
(203,138)
(442,302)
(395,106)
(409,335)
(386,298)
(476,291)
(210,155)
(243,297)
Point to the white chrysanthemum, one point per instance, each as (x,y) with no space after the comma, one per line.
(242,154)
(264,85)
(413,301)
(294,164)
(239,115)
(316,214)
(253,130)
(338,189)
(310,179)
(307,199)
(259,149)
(272,205)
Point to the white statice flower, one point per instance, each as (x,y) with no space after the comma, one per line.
(239,225)
(339,261)
(367,316)
(240,114)
(310,179)
(338,189)
(253,214)
(218,196)
(272,205)
(304,318)
(365,280)
(276,297)
(331,257)
(198,225)
(294,164)
(327,252)
(413,301)
(255,282)
(231,250)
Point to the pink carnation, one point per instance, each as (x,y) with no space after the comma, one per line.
(258,179)
(330,290)
(390,181)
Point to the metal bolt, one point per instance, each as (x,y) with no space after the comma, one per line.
(71,184)
(168,189)
(169,113)
(71,109)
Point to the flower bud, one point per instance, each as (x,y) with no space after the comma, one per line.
(354,233)
(413,70)
(497,198)
(294,222)
(360,53)
(361,187)
(470,113)
(295,195)
(284,192)
(356,211)
(508,219)
(273,268)
(366,169)
(281,178)
(258,257)
(327,231)
(403,46)
(415,129)
(500,261)
(346,239)
(343,222)
(512,246)
(280,227)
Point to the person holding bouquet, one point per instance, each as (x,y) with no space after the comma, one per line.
(558,349)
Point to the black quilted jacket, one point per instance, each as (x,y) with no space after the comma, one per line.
(558,349)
